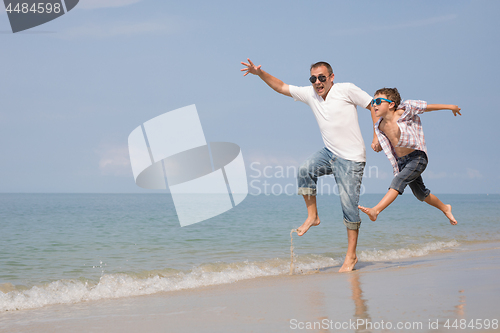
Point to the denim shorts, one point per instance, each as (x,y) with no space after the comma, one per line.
(411,167)
(348,175)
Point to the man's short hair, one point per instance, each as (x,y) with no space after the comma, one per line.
(322,63)
(390,93)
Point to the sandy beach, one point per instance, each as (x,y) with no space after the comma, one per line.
(456,290)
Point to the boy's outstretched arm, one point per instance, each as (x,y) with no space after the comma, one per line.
(436,107)
(276,84)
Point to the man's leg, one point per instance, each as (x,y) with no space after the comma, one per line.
(388,198)
(350,259)
(315,166)
(312,215)
(348,175)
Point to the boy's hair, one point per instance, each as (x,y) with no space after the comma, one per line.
(390,93)
(322,63)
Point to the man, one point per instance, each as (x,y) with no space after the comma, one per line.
(344,155)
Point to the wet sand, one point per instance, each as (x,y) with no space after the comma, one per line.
(422,294)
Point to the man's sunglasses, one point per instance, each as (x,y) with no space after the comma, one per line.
(378,101)
(321,78)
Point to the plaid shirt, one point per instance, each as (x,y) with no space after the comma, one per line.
(412,134)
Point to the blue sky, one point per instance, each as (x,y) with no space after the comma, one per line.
(72,90)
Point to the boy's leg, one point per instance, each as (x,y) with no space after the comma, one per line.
(348,175)
(446,209)
(389,198)
(423,194)
(410,168)
(315,166)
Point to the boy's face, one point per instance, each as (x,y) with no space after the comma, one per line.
(384,107)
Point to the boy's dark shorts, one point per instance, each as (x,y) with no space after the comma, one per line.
(411,167)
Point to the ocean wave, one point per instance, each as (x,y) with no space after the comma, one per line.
(416,250)
(151,282)
(145,283)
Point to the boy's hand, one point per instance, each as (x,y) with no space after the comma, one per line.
(376,145)
(436,107)
(456,110)
(251,68)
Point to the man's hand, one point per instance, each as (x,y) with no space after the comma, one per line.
(376,145)
(456,110)
(276,84)
(251,68)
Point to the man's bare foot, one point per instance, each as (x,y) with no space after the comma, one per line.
(372,214)
(348,265)
(310,222)
(449,215)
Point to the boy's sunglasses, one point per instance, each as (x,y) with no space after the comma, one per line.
(321,78)
(378,101)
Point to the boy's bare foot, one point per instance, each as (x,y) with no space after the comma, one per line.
(449,215)
(348,265)
(310,222)
(372,214)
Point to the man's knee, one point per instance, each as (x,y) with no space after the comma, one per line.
(306,191)
(352,225)
(303,170)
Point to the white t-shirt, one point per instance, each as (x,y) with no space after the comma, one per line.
(337,117)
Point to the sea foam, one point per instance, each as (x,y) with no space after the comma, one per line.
(146,283)
(124,285)
(416,250)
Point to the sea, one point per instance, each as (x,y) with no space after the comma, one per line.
(71,248)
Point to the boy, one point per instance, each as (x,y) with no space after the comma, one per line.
(400,134)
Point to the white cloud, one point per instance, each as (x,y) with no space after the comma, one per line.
(273,160)
(409,24)
(114,160)
(473,174)
(468,174)
(109,30)
(434,175)
(271,166)
(284,166)
(373,172)
(91,4)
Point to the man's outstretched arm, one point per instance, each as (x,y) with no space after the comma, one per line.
(436,107)
(271,81)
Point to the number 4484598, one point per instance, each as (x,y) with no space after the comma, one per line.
(472,324)
(36,8)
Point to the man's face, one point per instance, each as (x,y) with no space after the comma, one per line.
(322,88)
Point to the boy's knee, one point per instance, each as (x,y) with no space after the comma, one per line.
(400,192)
(422,196)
